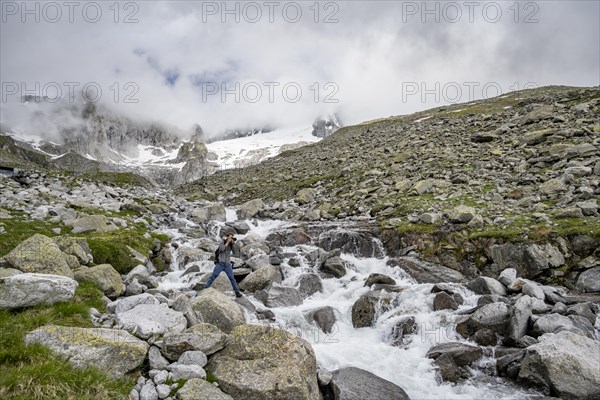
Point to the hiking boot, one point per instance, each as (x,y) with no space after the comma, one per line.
(238,294)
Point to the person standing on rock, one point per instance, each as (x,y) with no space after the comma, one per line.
(223,263)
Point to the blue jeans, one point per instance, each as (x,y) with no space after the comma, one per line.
(228,270)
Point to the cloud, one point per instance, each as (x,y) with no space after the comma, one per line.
(183,65)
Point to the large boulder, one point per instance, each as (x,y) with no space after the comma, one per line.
(309,284)
(518,321)
(528,260)
(565,365)
(250,209)
(200,389)
(324,317)
(451,359)
(554,323)
(333,266)
(92,223)
(264,363)
(216,308)
(589,281)
(485,285)
(368,306)
(282,296)
(127,303)
(353,383)
(26,290)
(493,316)
(424,272)
(361,244)
(75,246)
(39,254)
(111,350)
(212,212)
(203,337)
(147,320)
(105,277)
(261,278)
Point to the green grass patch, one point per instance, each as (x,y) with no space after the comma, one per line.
(33,372)
(19,229)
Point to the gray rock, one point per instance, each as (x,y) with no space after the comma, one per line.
(534,290)
(518,321)
(451,358)
(111,350)
(559,308)
(584,310)
(462,214)
(92,223)
(203,337)
(589,281)
(183,304)
(284,362)
(199,389)
(146,320)
(493,316)
(213,212)
(485,337)
(179,371)
(193,357)
(156,360)
(443,301)
(105,277)
(148,392)
(283,296)
(127,303)
(352,383)
(261,278)
(216,308)
(324,317)
(485,285)
(250,209)
(309,284)
(163,391)
(424,272)
(26,290)
(379,278)
(140,273)
(507,276)
(258,261)
(368,306)
(564,364)
(528,260)
(39,254)
(401,331)
(554,323)
(333,266)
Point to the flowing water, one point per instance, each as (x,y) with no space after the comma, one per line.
(367,348)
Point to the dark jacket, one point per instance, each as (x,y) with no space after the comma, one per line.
(225,253)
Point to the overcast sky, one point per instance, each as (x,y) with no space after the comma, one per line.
(362,59)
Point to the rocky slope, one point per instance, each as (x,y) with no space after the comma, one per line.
(172,341)
(450,182)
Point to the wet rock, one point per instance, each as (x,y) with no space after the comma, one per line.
(360,244)
(324,317)
(509,364)
(443,301)
(401,331)
(309,284)
(563,364)
(334,267)
(451,358)
(424,272)
(264,363)
(491,298)
(379,278)
(367,307)
(356,384)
